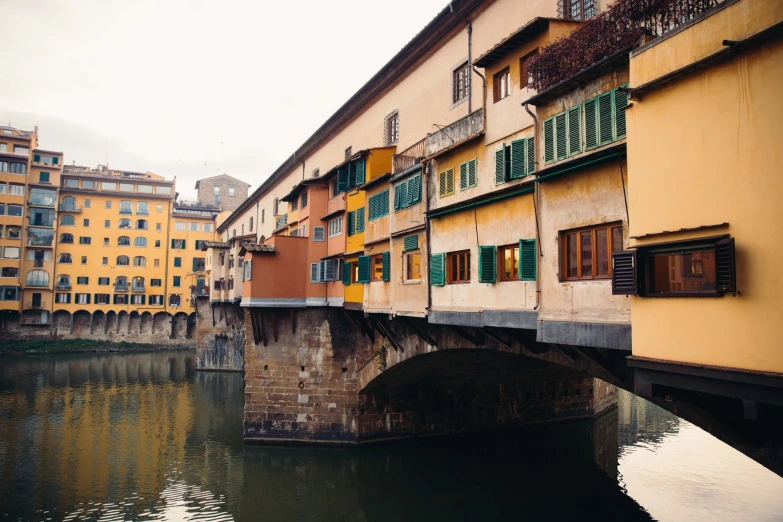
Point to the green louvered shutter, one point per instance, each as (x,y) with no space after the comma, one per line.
(56,160)
(463,176)
(143,299)
(403,188)
(397,194)
(574,131)
(372,206)
(527,259)
(438,269)
(591,124)
(359,220)
(386,266)
(342,179)
(414,190)
(472,174)
(346,273)
(37,158)
(500,166)
(620,103)
(487,264)
(605,118)
(364,269)
(410,243)
(350,220)
(359,172)
(518,158)
(549,140)
(531,156)
(561,141)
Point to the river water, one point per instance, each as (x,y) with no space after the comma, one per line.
(145,437)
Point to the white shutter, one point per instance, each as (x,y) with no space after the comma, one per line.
(322,271)
(318,233)
(329,266)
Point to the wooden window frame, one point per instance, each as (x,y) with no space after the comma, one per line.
(497,80)
(443,182)
(355,272)
(515,264)
(376,259)
(450,258)
(524,76)
(406,266)
(457,94)
(563,247)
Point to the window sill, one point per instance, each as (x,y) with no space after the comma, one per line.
(457,283)
(412,282)
(685,294)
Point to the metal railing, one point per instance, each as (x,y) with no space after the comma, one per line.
(137,288)
(63,286)
(120,288)
(41,202)
(409,157)
(69,208)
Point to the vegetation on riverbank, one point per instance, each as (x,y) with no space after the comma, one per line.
(9,347)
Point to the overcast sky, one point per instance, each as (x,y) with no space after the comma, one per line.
(189,88)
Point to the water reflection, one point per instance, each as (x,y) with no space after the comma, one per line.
(143,437)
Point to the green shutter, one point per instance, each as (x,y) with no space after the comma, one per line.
(143,299)
(518,158)
(410,243)
(487,264)
(561,139)
(591,124)
(472,178)
(527,259)
(620,103)
(346,273)
(438,269)
(55,160)
(605,133)
(531,156)
(37,158)
(349,219)
(372,208)
(359,168)
(177,262)
(342,179)
(386,266)
(115,299)
(414,190)
(359,220)
(549,140)
(463,176)
(364,269)
(500,165)
(383,203)
(397,194)
(195,263)
(574,131)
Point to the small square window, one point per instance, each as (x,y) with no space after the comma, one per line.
(107,223)
(460,83)
(231,192)
(86,222)
(86,203)
(84,260)
(108,204)
(458,267)
(105,260)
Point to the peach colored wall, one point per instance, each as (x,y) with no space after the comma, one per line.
(378,294)
(410,298)
(279,275)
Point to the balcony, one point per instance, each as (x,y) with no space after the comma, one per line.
(37,283)
(39,242)
(199,291)
(41,202)
(458,132)
(121,287)
(65,285)
(69,208)
(409,157)
(38,263)
(35,304)
(125,212)
(37,222)
(136,288)
(335,204)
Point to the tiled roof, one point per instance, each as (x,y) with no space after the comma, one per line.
(215,244)
(259,249)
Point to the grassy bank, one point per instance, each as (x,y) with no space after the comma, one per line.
(77,346)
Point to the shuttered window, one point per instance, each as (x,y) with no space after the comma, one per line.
(364,269)
(624,280)
(446,183)
(378,205)
(318,234)
(410,243)
(407,193)
(468,177)
(487,264)
(501,174)
(605,118)
(315,273)
(527,259)
(563,135)
(438,269)
(523,159)
(346,273)
(359,227)
(351,222)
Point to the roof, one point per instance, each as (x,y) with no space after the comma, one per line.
(47,151)
(375,181)
(222,176)
(524,34)
(257,249)
(299,187)
(215,244)
(430,38)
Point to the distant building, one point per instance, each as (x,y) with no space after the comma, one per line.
(223,190)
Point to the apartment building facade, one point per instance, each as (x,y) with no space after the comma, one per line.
(224,191)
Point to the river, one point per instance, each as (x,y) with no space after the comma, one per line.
(143,436)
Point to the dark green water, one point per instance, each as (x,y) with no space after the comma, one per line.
(144,437)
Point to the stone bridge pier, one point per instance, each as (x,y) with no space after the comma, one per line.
(326,375)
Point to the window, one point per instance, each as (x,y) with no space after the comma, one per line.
(412,268)
(82,280)
(163,190)
(577,9)
(18,168)
(199,244)
(467,175)
(101,299)
(107,223)
(585,253)
(407,193)
(209,227)
(199,264)
(515,161)
(11,252)
(86,203)
(108,204)
(120,284)
(41,216)
(142,208)
(105,261)
(335,226)
(216,191)
(84,240)
(137,284)
(21,150)
(501,85)
(126,187)
(379,205)
(156,282)
(157,243)
(16,210)
(348,153)
(126,206)
(231,192)
(137,299)
(90,185)
(66,239)
(105,241)
(250,229)
(142,224)
(391,128)
(9,272)
(174,300)
(178,244)
(62,298)
(9,293)
(16,190)
(180,225)
(123,261)
(123,241)
(120,299)
(446,183)
(379,266)
(351,175)
(177,262)
(65,259)
(37,278)
(294,205)
(159,208)
(176,281)
(13,232)
(302,200)
(356,221)
(156,300)
(247,270)
(525,76)
(139,261)
(458,267)
(156,263)
(461,82)
(316,173)
(82,298)
(194,227)
(125,223)
(140,242)
(157,227)
(43,177)
(318,234)
(144,189)
(508,262)
(103,281)
(275,208)
(263,211)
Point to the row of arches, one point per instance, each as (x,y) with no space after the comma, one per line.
(130,326)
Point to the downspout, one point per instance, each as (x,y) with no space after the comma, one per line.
(427,231)
(258,225)
(483,100)
(536,206)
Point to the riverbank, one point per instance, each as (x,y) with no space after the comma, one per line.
(40,346)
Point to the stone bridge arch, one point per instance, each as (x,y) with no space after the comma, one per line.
(98,322)
(61,322)
(161,323)
(82,322)
(146,324)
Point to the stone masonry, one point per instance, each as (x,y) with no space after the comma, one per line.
(206,191)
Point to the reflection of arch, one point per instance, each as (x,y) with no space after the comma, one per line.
(161,322)
(98,322)
(191,325)
(146,323)
(82,322)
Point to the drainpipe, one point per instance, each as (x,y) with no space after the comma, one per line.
(483,100)
(427,230)
(537,205)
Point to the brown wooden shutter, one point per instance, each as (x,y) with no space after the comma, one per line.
(625,266)
(725,270)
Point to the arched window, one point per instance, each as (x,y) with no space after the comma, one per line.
(65,258)
(123,241)
(67,220)
(140,242)
(139,261)
(121,283)
(126,207)
(174,300)
(123,260)
(138,284)
(125,223)
(66,238)
(142,208)
(69,203)
(38,278)
(64,282)
(141,224)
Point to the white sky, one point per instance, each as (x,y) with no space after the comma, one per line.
(190,88)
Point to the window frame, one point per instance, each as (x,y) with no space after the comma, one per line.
(460,91)
(525,80)
(498,79)
(450,257)
(406,266)
(501,268)
(376,261)
(563,251)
